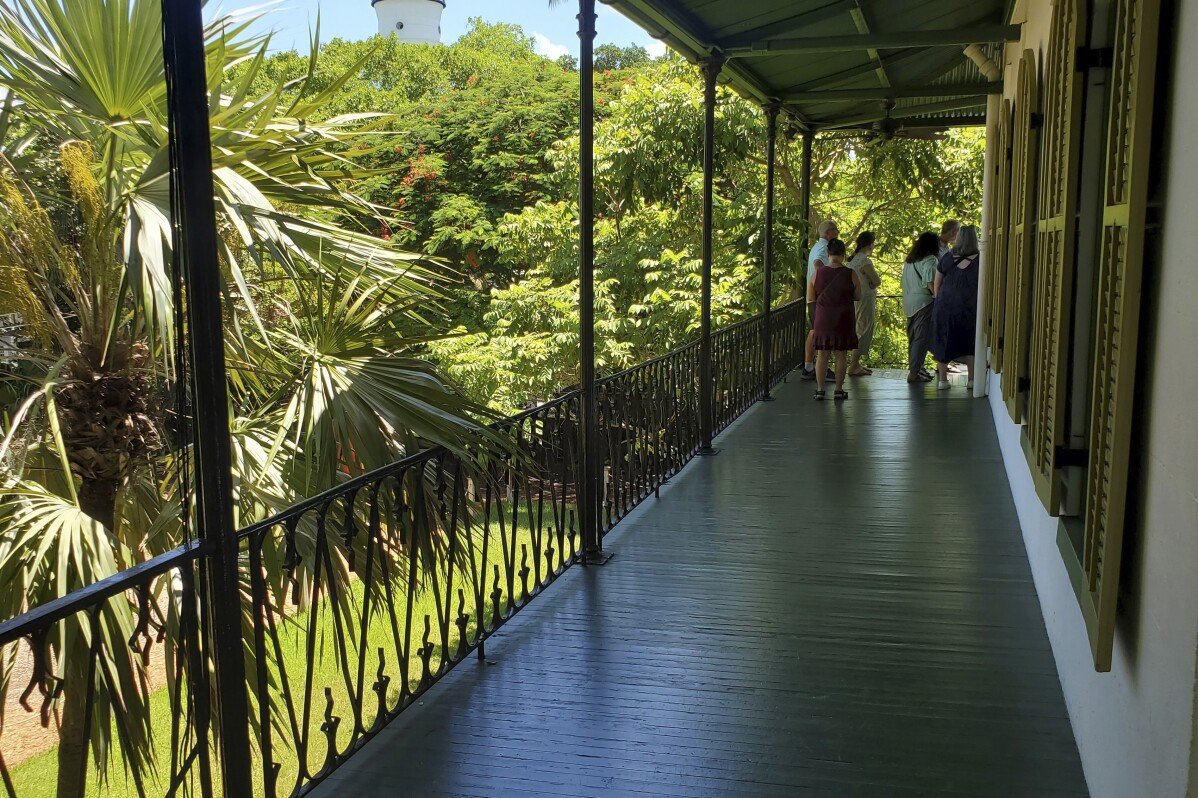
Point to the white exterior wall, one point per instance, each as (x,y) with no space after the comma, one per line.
(1137,726)
(416,21)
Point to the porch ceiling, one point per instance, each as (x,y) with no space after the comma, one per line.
(833,64)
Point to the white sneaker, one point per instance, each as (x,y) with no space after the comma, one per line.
(943,385)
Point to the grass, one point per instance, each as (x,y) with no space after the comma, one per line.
(36,777)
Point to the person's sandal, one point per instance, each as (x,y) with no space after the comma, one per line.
(819,396)
(840,396)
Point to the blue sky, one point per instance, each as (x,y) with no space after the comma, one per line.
(556,30)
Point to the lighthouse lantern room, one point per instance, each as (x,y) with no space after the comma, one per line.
(416,21)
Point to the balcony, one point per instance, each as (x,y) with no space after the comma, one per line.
(839,601)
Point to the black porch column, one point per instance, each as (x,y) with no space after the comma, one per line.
(711,71)
(808,141)
(767,331)
(195,252)
(588,483)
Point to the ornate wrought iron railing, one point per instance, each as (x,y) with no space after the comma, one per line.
(364,597)
(356,601)
(124,654)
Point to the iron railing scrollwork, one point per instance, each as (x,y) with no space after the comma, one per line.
(355,602)
(125,654)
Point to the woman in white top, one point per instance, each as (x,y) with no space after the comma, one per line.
(867,306)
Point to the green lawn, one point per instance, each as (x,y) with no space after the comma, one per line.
(35,778)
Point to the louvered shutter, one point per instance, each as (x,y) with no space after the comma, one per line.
(1055,246)
(1000,217)
(1025,154)
(1117,320)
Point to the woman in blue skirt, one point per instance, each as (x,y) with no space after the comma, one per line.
(955,315)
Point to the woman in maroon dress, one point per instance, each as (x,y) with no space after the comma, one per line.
(834,290)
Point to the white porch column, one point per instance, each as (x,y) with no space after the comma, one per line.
(981,363)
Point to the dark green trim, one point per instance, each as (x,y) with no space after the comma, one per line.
(1081,589)
(878,41)
(893,92)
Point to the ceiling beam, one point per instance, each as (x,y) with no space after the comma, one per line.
(864,117)
(968,120)
(788,25)
(891,92)
(877,41)
(874,56)
(893,60)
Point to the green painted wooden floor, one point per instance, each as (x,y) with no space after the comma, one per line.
(837,604)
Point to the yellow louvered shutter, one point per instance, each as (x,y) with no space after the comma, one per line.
(1055,246)
(1117,320)
(999,219)
(1025,154)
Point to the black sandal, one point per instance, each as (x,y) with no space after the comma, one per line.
(819,396)
(840,396)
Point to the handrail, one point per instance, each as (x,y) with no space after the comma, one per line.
(382,472)
(85,597)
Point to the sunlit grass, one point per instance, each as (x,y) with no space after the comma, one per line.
(333,669)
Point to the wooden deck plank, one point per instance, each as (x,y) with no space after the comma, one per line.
(837,604)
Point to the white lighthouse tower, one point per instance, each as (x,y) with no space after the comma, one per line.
(416,21)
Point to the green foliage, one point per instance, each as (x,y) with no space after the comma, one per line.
(611,57)
(530,349)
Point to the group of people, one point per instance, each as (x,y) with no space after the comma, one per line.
(940,300)
(940,285)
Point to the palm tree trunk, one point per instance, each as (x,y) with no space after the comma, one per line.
(97,498)
(73,732)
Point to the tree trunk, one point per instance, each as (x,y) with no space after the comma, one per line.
(73,732)
(97,498)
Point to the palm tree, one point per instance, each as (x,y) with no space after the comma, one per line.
(325,322)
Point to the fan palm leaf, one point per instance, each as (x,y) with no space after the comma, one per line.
(92,70)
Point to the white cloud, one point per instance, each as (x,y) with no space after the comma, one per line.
(547,48)
(656,49)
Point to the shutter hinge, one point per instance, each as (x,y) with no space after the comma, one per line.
(1088,58)
(1064,457)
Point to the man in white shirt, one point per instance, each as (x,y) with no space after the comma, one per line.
(948,235)
(816,260)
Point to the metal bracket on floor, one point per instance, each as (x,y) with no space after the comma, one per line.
(601,557)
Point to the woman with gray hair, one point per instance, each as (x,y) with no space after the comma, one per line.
(955,315)
(867,306)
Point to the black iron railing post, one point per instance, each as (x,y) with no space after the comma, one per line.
(195,252)
(588,483)
(767,331)
(711,71)
(805,209)
(805,200)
